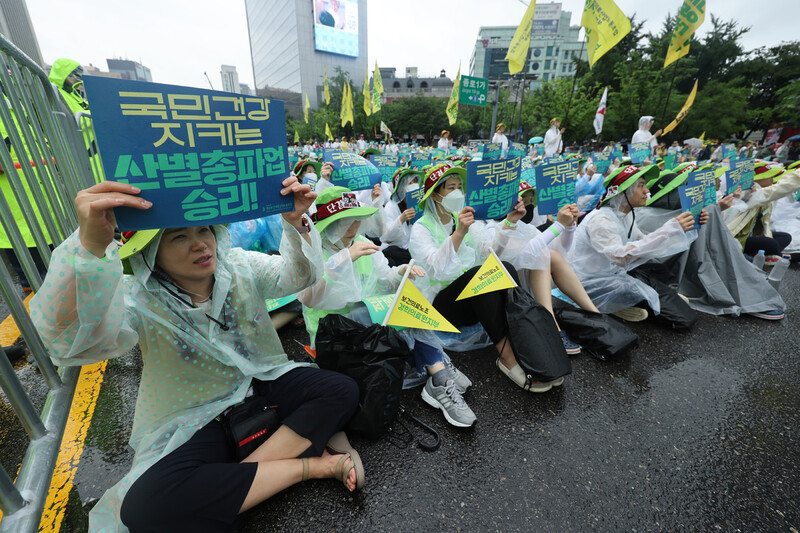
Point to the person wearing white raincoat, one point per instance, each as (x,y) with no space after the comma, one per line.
(612,256)
(552,139)
(643,135)
(397,230)
(197,309)
(450,245)
(355,269)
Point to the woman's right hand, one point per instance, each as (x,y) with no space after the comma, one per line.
(407,215)
(466,218)
(686,220)
(326,171)
(96,216)
(361,248)
(568,215)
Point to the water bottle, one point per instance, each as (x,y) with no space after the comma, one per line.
(778,271)
(758,260)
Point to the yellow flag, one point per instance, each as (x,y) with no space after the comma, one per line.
(452,104)
(412,310)
(703,137)
(377,89)
(491,276)
(605,26)
(325,88)
(367,96)
(307,107)
(684,111)
(296,137)
(521,43)
(328,133)
(343,110)
(689,18)
(347,105)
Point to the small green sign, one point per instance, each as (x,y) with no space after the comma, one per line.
(473,91)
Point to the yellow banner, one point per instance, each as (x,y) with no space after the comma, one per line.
(684,111)
(367,96)
(296,137)
(605,26)
(690,17)
(328,133)
(490,277)
(412,310)
(377,89)
(307,107)
(521,43)
(326,89)
(349,116)
(452,104)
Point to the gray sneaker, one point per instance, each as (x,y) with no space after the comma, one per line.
(462,381)
(449,400)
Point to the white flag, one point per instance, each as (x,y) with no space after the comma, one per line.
(601,113)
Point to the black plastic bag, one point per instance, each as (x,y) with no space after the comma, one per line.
(374,356)
(534,338)
(600,335)
(674,311)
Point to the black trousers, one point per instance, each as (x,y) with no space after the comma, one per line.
(771,246)
(674,311)
(397,256)
(489,309)
(201,487)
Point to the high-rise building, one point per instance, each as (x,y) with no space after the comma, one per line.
(15,25)
(292,43)
(245,89)
(130,70)
(554,44)
(230,79)
(395,88)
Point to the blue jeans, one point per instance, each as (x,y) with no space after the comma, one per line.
(424,355)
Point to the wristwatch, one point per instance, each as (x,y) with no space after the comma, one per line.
(305,225)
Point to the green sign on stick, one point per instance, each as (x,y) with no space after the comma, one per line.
(474,91)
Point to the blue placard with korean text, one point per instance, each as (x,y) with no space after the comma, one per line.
(412,202)
(493,187)
(729,151)
(555,186)
(517,150)
(692,199)
(638,152)
(553,159)
(352,171)
(492,151)
(706,181)
(528,172)
(419,160)
(669,161)
(200,156)
(741,174)
(602,160)
(387,164)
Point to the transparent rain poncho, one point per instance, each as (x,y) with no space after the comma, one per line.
(786,218)
(761,202)
(87,311)
(346,282)
(602,254)
(396,232)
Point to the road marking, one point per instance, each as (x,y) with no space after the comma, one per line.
(8,328)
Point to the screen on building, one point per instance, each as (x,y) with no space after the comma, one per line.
(336,26)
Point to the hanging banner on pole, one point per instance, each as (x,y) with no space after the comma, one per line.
(684,111)
(690,17)
(521,43)
(605,25)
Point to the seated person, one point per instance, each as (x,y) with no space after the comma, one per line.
(356,269)
(397,231)
(193,305)
(450,245)
(786,218)
(614,259)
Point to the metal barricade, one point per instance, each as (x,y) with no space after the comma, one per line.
(53,165)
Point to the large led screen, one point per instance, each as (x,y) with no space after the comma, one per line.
(336,26)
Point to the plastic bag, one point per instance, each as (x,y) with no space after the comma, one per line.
(375,356)
(600,335)
(260,234)
(534,338)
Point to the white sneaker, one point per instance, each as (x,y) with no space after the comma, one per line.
(631,314)
(517,375)
(448,399)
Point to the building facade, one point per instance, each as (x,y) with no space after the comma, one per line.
(395,88)
(15,25)
(554,45)
(130,70)
(293,43)
(230,79)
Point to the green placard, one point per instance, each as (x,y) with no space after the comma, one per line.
(474,91)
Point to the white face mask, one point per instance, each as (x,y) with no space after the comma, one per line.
(453,202)
(310,176)
(411,187)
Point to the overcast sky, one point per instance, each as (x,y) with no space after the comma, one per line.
(179,40)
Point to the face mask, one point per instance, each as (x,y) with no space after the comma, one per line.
(310,176)
(453,202)
(411,187)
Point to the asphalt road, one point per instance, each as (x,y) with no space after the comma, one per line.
(688,431)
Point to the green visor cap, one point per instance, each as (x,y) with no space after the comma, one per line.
(301,165)
(135,244)
(439,174)
(766,170)
(793,165)
(335,203)
(629,175)
(403,172)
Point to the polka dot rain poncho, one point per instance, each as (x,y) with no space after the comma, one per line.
(87,311)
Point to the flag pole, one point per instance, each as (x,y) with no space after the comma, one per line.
(397,294)
(669,91)
(574,78)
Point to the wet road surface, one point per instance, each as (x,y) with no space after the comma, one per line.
(688,431)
